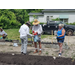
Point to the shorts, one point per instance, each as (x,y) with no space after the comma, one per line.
(39,38)
(60,40)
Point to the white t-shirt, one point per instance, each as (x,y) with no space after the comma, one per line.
(3,32)
(37,29)
(24,31)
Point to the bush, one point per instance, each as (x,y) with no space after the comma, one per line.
(42,23)
(57,19)
(71,23)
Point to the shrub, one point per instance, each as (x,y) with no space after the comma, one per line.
(57,19)
(71,23)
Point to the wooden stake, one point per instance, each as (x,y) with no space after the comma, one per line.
(68,39)
(52,36)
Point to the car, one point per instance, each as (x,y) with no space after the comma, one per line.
(53,25)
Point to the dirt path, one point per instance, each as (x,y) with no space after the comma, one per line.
(45,51)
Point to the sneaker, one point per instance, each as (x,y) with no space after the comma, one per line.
(21,52)
(59,54)
(24,54)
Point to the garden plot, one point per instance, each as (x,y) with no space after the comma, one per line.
(46,52)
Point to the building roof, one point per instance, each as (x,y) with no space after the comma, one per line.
(50,10)
(35,14)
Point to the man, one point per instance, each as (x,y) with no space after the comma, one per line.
(3,34)
(24,31)
(37,30)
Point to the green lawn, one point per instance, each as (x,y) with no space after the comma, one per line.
(14,34)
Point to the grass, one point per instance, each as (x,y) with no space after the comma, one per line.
(46,52)
(14,34)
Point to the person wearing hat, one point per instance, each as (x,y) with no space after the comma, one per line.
(37,31)
(24,31)
(3,34)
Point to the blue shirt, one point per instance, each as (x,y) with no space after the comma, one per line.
(60,33)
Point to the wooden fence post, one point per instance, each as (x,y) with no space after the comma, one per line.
(68,38)
(52,36)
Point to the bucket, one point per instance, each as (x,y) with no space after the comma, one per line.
(15,44)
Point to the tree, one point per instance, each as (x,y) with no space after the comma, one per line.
(14,18)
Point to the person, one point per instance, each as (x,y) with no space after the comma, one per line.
(3,34)
(37,30)
(24,31)
(60,37)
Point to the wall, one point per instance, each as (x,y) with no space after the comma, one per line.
(31,18)
(56,15)
(71,18)
(40,18)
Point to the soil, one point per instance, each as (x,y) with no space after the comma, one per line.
(46,58)
(18,59)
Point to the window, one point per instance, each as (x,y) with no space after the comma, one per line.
(51,17)
(51,24)
(47,18)
(64,20)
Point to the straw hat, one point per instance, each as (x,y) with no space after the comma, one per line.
(36,22)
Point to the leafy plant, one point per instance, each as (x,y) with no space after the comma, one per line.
(47,53)
(57,19)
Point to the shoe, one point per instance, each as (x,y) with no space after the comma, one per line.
(35,51)
(40,52)
(21,52)
(59,54)
(24,54)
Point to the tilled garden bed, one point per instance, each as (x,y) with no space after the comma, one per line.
(18,59)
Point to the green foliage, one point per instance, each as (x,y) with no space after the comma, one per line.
(14,18)
(57,19)
(36,10)
(71,23)
(42,23)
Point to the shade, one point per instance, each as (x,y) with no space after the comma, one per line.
(63,16)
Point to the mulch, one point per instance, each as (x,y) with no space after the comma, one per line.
(18,59)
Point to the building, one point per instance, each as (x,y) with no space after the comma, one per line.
(65,15)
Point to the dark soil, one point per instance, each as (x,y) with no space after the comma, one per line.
(18,59)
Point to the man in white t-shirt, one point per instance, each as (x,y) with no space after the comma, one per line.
(24,31)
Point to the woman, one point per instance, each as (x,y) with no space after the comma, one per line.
(60,37)
(3,34)
(37,30)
